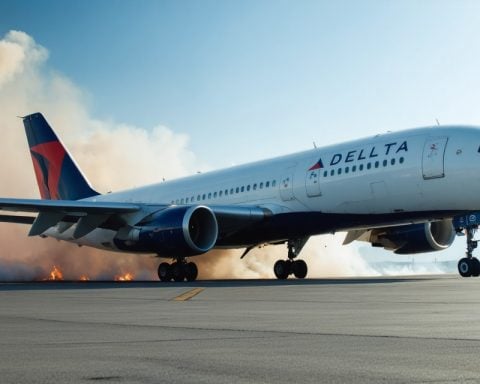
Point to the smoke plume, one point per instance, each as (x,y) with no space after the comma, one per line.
(104,150)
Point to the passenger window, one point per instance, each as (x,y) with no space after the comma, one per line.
(242,189)
(354,168)
(360,167)
(220,193)
(385,163)
(231,191)
(347,169)
(377,164)
(401,160)
(369,166)
(325,174)
(248,187)
(392,161)
(267,184)
(261,185)
(210,195)
(332,172)
(254,187)
(237,190)
(198,198)
(274,183)
(215,195)
(339,171)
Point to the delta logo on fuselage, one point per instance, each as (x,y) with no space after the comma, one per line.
(363,154)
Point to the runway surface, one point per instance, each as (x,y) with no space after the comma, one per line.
(372,330)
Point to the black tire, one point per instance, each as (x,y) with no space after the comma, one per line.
(289,266)
(465,267)
(178,272)
(164,272)
(300,269)
(475,267)
(191,272)
(281,269)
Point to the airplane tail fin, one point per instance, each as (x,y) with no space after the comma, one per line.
(58,176)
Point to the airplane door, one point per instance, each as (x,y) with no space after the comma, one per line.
(312,183)
(433,157)
(286,185)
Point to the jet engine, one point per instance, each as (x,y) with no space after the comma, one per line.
(415,238)
(173,232)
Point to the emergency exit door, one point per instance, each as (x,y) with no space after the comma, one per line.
(433,163)
(312,183)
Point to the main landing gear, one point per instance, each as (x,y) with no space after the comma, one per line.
(178,271)
(284,268)
(469,265)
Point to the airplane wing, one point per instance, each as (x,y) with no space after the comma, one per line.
(66,206)
(89,215)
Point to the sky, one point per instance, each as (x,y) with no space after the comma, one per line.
(237,81)
(270,76)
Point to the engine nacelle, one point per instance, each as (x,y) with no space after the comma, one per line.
(173,232)
(415,238)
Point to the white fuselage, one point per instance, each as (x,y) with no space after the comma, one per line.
(420,170)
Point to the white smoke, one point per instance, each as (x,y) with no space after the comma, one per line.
(113,156)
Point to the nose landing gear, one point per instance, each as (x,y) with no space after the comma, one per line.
(469,265)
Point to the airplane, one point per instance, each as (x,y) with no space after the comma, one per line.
(407,192)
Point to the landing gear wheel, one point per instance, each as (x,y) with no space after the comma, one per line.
(191,271)
(475,266)
(281,269)
(299,269)
(469,266)
(465,267)
(164,272)
(289,266)
(178,271)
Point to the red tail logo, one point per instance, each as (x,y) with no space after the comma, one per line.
(47,162)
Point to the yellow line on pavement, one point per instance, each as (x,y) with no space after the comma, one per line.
(188,295)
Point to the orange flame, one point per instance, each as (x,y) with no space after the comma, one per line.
(126,277)
(55,274)
(84,278)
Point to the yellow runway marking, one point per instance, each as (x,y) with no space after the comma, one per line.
(189,294)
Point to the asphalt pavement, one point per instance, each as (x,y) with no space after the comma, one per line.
(368,330)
